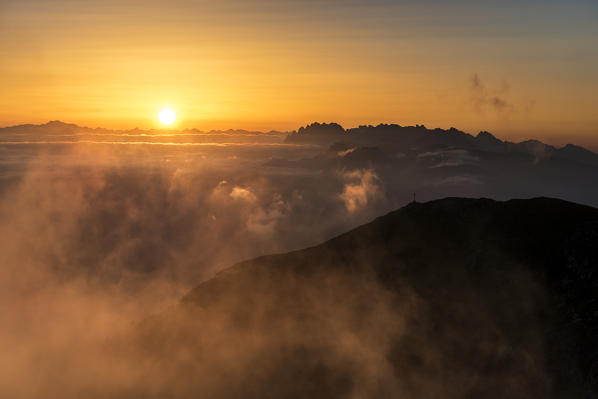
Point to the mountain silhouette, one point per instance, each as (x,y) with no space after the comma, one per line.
(405,138)
(454,298)
(392,138)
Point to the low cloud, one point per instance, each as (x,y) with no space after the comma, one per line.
(94,238)
(242,194)
(447,158)
(363,187)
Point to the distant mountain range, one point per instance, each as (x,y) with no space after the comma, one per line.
(421,138)
(434,163)
(455,298)
(59,127)
(387,136)
(58,132)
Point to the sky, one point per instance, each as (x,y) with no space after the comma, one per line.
(520,69)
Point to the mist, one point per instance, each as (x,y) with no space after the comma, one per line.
(102,235)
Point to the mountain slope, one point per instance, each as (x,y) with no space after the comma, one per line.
(456,298)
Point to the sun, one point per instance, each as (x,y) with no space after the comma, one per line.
(167,116)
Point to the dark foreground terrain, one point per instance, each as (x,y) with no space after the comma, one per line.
(456,298)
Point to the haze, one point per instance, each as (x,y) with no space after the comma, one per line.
(298,199)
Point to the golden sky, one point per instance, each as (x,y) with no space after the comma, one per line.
(520,71)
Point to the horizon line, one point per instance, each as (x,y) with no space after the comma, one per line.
(271,131)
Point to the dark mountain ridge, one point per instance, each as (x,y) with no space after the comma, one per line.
(455,298)
(391,137)
(420,138)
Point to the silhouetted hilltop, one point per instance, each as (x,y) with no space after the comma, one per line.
(455,298)
(487,141)
(317,133)
(317,129)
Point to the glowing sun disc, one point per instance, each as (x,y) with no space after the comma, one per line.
(167,116)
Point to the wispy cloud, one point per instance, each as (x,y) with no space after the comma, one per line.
(494,98)
(363,187)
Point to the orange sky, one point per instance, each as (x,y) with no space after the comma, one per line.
(280,64)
